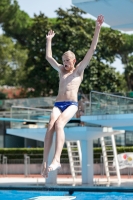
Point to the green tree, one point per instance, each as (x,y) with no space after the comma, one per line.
(129,73)
(72,32)
(126,48)
(2,96)
(39,75)
(75,33)
(12,61)
(14,22)
(125,52)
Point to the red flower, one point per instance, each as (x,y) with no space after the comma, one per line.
(125,156)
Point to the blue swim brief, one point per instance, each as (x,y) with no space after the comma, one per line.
(62,105)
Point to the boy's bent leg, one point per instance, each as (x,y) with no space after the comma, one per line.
(60,135)
(48,139)
(50,131)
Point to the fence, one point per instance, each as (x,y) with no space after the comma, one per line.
(31,164)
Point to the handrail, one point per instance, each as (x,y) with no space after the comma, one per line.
(31,108)
(111,95)
(25,114)
(107,94)
(21,120)
(28,108)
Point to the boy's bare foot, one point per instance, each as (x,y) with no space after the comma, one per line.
(54,165)
(44,170)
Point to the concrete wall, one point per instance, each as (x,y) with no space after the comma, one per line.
(65,169)
(33,169)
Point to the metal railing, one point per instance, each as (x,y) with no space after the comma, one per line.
(27,160)
(26,165)
(37,158)
(102,169)
(105,103)
(4,165)
(38,102)
(34,117)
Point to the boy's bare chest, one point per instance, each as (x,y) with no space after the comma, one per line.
(69,78)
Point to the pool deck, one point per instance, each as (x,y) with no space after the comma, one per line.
(65,182)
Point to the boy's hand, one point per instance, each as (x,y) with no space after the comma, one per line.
(50,34)
(99,21)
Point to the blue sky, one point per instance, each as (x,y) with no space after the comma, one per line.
(48,7)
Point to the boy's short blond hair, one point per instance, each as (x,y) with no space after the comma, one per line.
(69,53)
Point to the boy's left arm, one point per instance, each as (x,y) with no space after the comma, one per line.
(83,64)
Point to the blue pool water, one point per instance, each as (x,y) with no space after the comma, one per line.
(24,195)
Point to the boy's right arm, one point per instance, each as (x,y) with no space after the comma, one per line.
(49,57)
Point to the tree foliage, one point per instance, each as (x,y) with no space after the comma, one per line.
(73,32)
(126,49)
(12,61)
(14,22)
(125,52)
(129,73)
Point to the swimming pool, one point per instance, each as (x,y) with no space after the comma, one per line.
(25,195)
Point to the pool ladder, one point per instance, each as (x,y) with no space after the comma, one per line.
(110,160)
(75,158)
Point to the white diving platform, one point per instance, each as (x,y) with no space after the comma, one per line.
(85,134)
(105,115)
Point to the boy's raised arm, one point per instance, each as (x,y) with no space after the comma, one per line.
(83,64)
(49,56)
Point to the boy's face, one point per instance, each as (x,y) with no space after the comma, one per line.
(68,62)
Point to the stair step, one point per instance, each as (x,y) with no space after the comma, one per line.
(109,150)
(73,146)
(72,141)
(109,145)
(110,166)
(112,171)
(77,167)
(110,155)
(75,163)
(72,161)
(109,158)
(75,156)
(78,171)
(78,161)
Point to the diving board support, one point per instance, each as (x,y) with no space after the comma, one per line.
(87,161)
(26,165)
(4,162)
(85,134)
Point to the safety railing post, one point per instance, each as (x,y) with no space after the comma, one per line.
(0,164)
(4,164)
(26,165)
